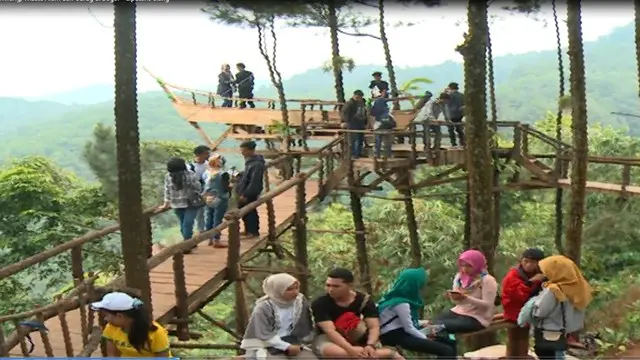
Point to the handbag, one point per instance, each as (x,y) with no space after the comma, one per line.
(355,336)
(194,198)
(550,341)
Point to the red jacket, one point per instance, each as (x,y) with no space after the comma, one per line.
(516,291)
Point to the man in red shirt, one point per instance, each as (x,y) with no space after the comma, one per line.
(519,285)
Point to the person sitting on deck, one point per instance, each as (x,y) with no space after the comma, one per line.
(347,321)
(383,121)
(225,85)
(245,83)
(129,332)
(354,117)
(474,292)
(280,324)
(559,309)
(400,320)
(519,285)
(216,195)
(250,186)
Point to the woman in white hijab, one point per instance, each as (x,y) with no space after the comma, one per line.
(280,324)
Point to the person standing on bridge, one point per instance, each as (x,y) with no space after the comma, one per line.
(182,193)
(354,117)
(245,83)
(199,166)
(129,331)
(250,186)
(456,113)
(216,195)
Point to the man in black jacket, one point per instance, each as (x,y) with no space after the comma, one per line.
(354,117)
(249,186)
(244,81)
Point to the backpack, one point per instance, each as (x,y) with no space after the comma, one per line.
(192,167)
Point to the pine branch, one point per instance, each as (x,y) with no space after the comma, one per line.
(358,34)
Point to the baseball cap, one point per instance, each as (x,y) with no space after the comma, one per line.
(116,301)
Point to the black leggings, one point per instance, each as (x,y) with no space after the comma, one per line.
(442,348)
(458,324)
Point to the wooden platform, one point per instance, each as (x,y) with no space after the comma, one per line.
(265,117)
(200,266)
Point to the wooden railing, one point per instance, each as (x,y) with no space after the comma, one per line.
(85,292)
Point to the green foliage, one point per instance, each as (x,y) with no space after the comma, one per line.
(345,63)
(42,206)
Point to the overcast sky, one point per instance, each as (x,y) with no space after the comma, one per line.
(53,49)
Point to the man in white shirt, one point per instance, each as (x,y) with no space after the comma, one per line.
(199,166)
(432,110)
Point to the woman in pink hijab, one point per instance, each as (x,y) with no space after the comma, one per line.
(474,293)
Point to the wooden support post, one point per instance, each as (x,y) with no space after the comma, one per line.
(66,334)
(412,225)
(234,274)
(77,273)
(182,312)
(302,257)
(148,231)
(46,342)
(412,143)
(525,140)
(358,222)
(303,127)
(4,352)
(271,212)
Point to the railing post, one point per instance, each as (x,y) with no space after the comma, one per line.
(148,231)
(182,312)
(525,141)
(271,211)
(626,179)
(437,144)
(321,173)
(234,272)
(517,140)
(412,142)
(4,352)
(302,257)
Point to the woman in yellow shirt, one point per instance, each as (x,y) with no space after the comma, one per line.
(129,331)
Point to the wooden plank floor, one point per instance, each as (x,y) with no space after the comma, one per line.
(200,266)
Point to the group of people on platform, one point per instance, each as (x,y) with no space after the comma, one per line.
(242,82)
(356,113)
(200,192)
(545,295)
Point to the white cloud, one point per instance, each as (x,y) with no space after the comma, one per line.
(49,49)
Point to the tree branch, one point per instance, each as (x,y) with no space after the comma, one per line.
(358,34)
(362,2)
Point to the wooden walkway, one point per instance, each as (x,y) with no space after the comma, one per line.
(200,266)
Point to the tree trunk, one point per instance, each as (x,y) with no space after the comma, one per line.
(636,6)
(335,51)
(558,166)
(412,225)
(271,66)
(579,131)
(128,151)
(479,162)
(387,55)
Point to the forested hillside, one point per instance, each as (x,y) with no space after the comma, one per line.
(527,87)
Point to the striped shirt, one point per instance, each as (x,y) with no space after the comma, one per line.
(178,198)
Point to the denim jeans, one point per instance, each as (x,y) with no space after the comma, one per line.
(200,222)
(388,139)
(187,218)
(215,214)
